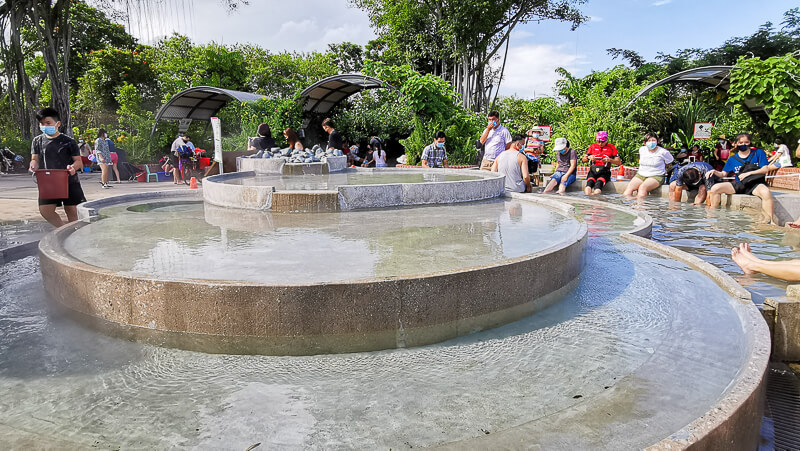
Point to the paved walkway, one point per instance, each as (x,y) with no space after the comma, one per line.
(19,194)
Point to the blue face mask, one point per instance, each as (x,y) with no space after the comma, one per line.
(440,145)
(494,124)
(536,135)
(651,145)
(49,130)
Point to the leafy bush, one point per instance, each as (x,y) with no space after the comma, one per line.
(773,82)
(383,114)
(241,120)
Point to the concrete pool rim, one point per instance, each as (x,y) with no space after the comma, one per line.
(312,318)
(734,421)
(484,185)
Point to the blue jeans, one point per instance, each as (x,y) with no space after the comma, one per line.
(558,175)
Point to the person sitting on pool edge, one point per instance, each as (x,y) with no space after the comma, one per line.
(602,155)
(514,165)
(691,177)
(566,167)
(743,256)
(653,164)
(748,167)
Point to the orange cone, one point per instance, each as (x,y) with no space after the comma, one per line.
(193,183)
(621,173)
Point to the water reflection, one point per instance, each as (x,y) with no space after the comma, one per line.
(190,240)
(710,234)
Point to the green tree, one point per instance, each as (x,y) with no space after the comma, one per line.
(600,100)
(457,40)
(773,82)
(347,57)
(106,72)
(93,30)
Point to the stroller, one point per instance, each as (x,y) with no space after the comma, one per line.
(11,162)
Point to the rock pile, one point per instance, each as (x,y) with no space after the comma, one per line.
(314,155)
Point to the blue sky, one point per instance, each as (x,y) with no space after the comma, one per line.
(646,26)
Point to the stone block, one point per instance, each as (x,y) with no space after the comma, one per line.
(786,336)
(768,312)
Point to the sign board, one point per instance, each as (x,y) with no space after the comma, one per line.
(216,127)
(545,136)
(702,130)
(183,125)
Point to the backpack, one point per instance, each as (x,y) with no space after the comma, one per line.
(749,166)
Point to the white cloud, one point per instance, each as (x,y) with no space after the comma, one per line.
(521,34)
(530,69)
(662,2)
(300,25)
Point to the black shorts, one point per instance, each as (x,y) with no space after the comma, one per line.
(598,176)
(742,188)
(75,197)
(173,160)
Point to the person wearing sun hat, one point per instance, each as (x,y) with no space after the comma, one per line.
(566,168)
(601,155)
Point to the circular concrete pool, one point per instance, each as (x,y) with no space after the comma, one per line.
(315,282)
(644,351)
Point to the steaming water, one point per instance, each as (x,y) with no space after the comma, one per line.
(174,240)
(333,181)
(643,346)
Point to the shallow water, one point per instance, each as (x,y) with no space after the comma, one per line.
(623,361)
(710,235)
(19,232)
(333,181)
(176,241)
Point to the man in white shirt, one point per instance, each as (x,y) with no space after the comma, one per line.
(496,139)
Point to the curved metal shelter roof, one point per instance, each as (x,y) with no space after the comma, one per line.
(717,77)
(200,103)
(325,94)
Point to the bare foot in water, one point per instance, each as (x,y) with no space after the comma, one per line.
(741,258)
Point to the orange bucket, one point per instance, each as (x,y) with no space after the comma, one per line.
(53,183)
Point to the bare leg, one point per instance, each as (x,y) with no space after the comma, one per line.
(647,186)
(550,185)
(104,173)
(717,191)
(587,191)
(116,172)
(49,213)
(633,185)
(787,269)
(673,188)
(767,204)
(562,188)
(72,212)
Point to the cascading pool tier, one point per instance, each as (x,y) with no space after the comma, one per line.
(191,275)
(350,189)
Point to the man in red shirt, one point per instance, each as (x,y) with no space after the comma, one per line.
(601,155)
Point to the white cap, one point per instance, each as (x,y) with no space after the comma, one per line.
(560,144)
